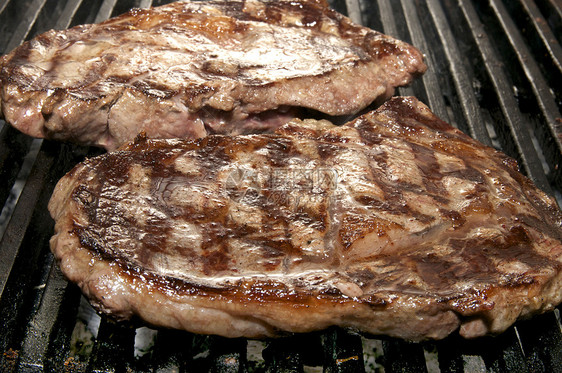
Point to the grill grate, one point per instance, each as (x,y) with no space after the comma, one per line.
(495,71)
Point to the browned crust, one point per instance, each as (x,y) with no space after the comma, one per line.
(265,305)
(82,111)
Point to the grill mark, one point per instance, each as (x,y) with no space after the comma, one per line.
(380,48)
(311,219)
(101,203)
(457,220)
(478,257)
(356,227)
(362,277)
(365,130)
(215,262)
(430,169)
(326,151)
(152,237)
(311,15)
(410,117)
(272,207)
(541,226)
(469,173)
(281,151)
(393,199)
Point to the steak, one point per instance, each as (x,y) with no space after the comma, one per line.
(189,69)
(395,223)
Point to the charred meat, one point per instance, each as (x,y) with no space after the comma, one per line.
(193,68)
(395,223)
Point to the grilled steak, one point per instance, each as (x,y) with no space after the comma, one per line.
(189,69)
(395,223)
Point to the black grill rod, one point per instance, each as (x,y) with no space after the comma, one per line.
(542,342)
(536,79)
(556,7)
(22,248)
(25,25)
(172,351)
(228,355)
(343,351)
(14,157)
(105,10)
(402,356)
(504,353)
(3,4)
(145,3)
(544,31)
(14,154)
(457,67)
(16,228)
(67,14)
(430,82)
(390,28)
(354,11)
(113,348)
(281,355)
(41,325)
(520,132)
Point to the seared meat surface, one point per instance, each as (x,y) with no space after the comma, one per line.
(395,223)
(189,69)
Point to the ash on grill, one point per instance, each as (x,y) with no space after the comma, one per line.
(495,69)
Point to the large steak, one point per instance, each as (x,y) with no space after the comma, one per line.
(193,68)
(395,223)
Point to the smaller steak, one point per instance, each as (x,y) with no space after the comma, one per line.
(395,223)
(194,68)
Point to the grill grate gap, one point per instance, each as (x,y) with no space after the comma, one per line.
(462,80)
(431,92)
(10,196)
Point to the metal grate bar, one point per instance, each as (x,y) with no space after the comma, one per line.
(282,356)
(172,352)
(539,85)
(520,131)
(228,355)
(401,356)
(387,18)
(542,343)
(554,8)
(390,28)
(58,354)
(105,10)
(544,32)
(42,322)
(23,28)
(450,356)
(145,3)
(113,348)
(16,229)
(13,147)
(467,98)
(431,86)
(3,4)
(67,15)
(23,247)
(354,11)
(504,353)
(343,352)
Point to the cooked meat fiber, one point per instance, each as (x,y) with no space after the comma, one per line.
(395,223)
(189,69)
